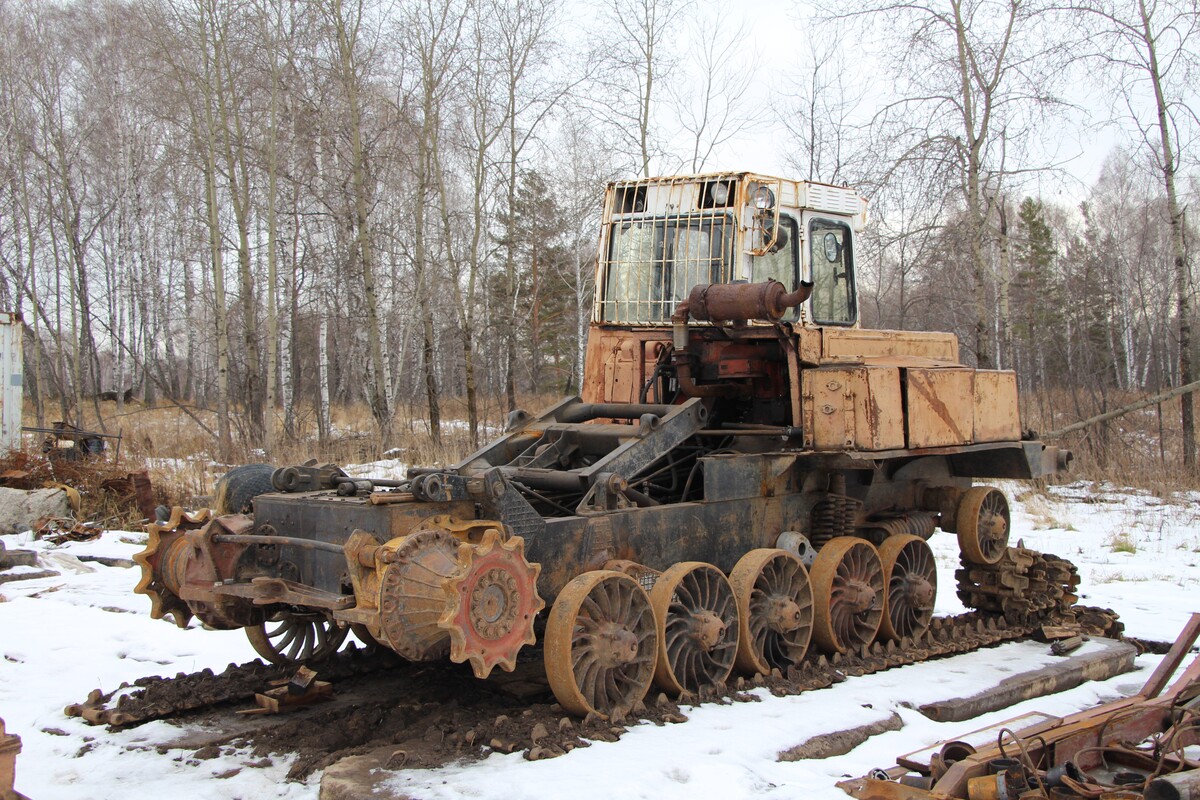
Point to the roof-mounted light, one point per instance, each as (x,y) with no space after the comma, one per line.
(764,198)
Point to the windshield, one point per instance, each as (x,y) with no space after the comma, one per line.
(654,263)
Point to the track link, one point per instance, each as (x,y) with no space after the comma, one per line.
(155,697)
(159,698)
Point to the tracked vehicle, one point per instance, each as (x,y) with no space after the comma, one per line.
(748,478)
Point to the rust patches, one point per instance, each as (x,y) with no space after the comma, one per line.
(935,405)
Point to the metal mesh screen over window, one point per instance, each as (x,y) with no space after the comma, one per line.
(654,263)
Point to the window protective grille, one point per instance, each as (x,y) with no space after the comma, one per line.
(654,262)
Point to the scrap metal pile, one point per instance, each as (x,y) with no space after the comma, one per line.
(1132,748)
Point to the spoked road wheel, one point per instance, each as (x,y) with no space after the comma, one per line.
(910,574)
(775,605)
(294,637)
(847,581)
(982,522)
(697,618)
(600,644)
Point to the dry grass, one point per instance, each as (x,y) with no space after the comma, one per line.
(183,460)
(182,457)
(1142,449)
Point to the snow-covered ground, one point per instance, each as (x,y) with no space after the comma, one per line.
(64,636)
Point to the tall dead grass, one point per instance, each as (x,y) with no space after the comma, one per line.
(183,458)
(1142,449)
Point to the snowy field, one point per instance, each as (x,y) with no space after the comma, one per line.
(61,637)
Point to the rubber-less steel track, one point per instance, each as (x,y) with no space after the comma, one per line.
(1044,598)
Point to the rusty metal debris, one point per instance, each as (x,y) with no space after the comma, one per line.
(59,530)
(135,486)
(302,689)
(1133,747)
(71,442)
(10,746)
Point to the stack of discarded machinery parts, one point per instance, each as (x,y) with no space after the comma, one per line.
(749,478)
(1128,748)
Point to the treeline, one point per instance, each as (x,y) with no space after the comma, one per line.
(265,208)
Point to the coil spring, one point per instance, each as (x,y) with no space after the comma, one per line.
(835,514)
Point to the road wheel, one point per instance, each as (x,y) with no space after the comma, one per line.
(775,605)
(296,637)
(848,592)
(600,645)
(982,521)
(697,618)
(910,574)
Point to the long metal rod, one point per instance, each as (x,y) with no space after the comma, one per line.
(783,431)
(293,541)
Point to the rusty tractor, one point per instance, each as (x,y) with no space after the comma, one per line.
(748,477)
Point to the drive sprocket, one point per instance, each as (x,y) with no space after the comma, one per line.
(491,603)
(163,563)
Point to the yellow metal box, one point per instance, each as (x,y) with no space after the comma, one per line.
(852,408)
(941,406)
(997,415)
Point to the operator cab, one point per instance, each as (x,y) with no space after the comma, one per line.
(662,236)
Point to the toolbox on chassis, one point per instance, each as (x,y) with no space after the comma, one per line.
(747,471)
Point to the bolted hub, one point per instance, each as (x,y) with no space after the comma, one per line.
(920,592)
(783,615)
(859,596)
(491,603)
(614,645)
(494,601)
(708,629)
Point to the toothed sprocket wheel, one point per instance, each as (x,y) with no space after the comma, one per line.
(491,603)
(164,564)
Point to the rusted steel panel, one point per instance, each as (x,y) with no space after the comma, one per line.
(941,406)
(997,418)
(863,345)
(808,345)
(852,408)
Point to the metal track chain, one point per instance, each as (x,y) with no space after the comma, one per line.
(157,698)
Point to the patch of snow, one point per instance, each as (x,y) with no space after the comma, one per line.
(62,636)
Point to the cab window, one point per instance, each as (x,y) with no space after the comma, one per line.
(654,263)
(782,261)
(832,259)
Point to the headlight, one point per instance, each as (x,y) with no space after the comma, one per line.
(719,192)
(764,198)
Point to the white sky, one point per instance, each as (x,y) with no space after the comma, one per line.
(778,32)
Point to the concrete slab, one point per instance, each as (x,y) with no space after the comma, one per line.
(1101,659)
(356,777)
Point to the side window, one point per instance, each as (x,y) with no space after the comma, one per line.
(783,261)
(832,259)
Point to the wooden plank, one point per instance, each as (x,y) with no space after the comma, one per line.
(1166,668)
